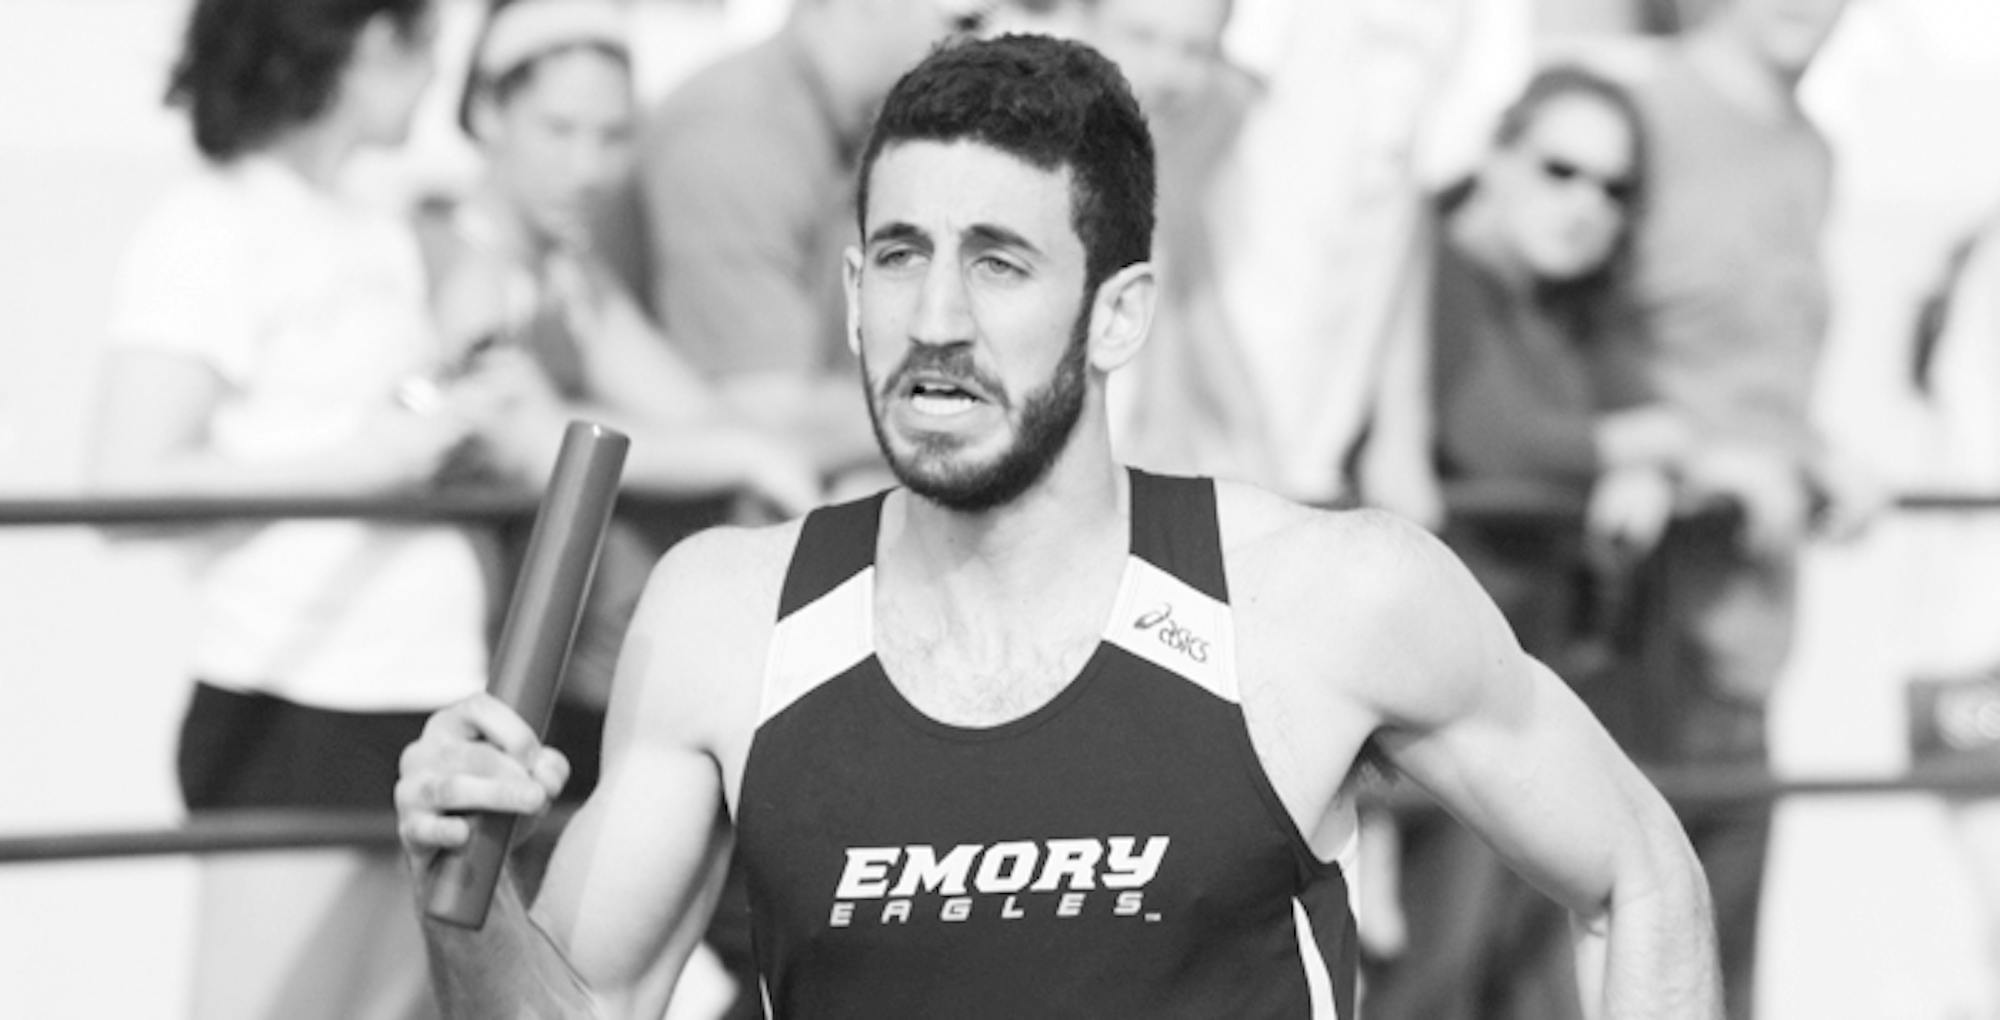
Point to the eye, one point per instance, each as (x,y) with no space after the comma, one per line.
(895,257)
(995,266)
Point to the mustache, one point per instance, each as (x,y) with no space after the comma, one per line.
(952,362)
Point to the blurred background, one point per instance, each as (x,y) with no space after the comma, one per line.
(1872,907)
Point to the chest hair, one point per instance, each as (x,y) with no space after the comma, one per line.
(983,669)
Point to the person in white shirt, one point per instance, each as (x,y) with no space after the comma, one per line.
(269,336)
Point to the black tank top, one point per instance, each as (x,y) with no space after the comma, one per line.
(1118,852)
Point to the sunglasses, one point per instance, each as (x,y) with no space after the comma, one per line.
(1620,190)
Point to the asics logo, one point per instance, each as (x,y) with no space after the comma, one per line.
(1172,633)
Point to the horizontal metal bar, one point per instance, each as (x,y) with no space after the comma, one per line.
(236,831)
(218,832)
(480,504)
(1486,502)
(247,831)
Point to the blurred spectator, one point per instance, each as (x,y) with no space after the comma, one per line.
(1732,292)
(1534,400)
(1189,404)
(1064,19)
(1537,377)
(262,328)
(1957,366)
(744,200)
(1324,279)
(549,102)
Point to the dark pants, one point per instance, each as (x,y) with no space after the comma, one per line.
(1724,629)
(1484,945)
(249,750)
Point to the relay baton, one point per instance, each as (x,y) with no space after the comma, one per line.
(534,644)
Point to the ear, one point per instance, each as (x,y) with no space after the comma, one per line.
(850,283)
(1121,314)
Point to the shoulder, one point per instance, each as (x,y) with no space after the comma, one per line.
(212,209)
(1361,599)
(186,278)
(724,571)
(1274,541)
(694,654)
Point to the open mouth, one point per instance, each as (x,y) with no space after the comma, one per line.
(940,397)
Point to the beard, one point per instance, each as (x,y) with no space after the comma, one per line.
(934,467)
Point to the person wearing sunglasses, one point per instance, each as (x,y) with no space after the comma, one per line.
(1534,398)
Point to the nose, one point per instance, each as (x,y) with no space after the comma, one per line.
(944,309)
(588,165)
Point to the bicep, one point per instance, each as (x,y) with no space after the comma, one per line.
(630,888)
(1534,775)
(635,878)
(1503,744)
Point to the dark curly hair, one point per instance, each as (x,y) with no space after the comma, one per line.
(249,69)
(1053,104)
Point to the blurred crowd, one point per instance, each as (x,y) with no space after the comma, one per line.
(1583,353)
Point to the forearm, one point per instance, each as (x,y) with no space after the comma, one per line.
(509,967)
(1651,953)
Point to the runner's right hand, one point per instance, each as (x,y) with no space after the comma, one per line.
(475,755)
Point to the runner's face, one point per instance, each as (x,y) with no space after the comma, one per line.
(966,298)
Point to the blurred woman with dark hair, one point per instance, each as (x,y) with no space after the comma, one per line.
(1537,388)
(269,335)
(1536,397)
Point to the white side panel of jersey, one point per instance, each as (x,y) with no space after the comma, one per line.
(1319,980)
(819,642)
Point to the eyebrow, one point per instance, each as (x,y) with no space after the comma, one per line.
(986,235)
(983,235)
(898,231)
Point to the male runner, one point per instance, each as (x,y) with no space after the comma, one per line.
(1034,735)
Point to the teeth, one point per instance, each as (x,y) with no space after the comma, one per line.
(936,402)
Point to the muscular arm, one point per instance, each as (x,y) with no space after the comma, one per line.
(1360,624)
(635,875)
(1504,745)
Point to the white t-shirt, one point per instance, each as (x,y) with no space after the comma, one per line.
(311,309)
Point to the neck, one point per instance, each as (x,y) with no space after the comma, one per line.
(1073,519)
(316,152)
(1727,62)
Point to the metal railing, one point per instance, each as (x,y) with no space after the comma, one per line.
(260,830)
